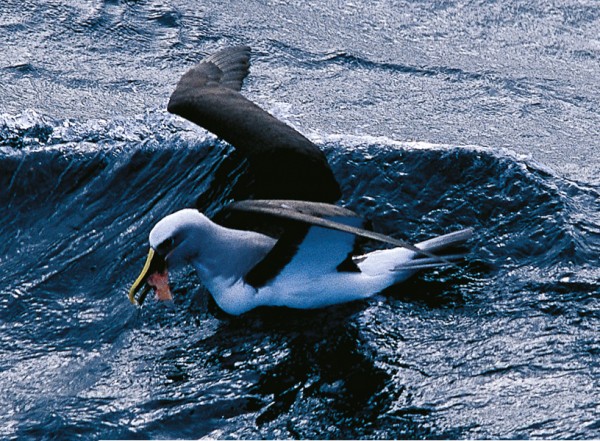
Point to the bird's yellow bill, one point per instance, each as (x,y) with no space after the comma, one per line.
(153,275)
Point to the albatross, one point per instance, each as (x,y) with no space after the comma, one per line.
(306,257)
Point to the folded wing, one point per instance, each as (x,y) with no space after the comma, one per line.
(303,246)
(319,235)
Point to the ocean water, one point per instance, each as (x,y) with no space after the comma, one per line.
(434,116)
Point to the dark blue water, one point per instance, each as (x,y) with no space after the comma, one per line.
(435,116)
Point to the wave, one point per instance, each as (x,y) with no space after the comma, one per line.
(80,198)
(86,194)
(99,170)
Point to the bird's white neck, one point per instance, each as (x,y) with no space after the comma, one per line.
(229,253)
(222,267)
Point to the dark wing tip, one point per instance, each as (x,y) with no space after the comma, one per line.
(232,63)
(226,68)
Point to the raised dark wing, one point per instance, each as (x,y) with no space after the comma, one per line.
(284,163)
(329,229)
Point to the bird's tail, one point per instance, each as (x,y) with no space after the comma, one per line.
(448,246)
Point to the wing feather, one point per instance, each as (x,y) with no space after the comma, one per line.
(313,235)
(284,163)
(314,213)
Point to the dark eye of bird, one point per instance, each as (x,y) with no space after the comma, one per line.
(165,246)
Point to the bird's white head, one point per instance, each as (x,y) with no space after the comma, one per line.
(174,241)
(179,237)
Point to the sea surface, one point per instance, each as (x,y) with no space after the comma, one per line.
(435,115)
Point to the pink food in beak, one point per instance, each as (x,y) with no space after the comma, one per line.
(160,283)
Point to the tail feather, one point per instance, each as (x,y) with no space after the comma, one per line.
(446,246)
(447,241)
(428,262)
(400,263)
